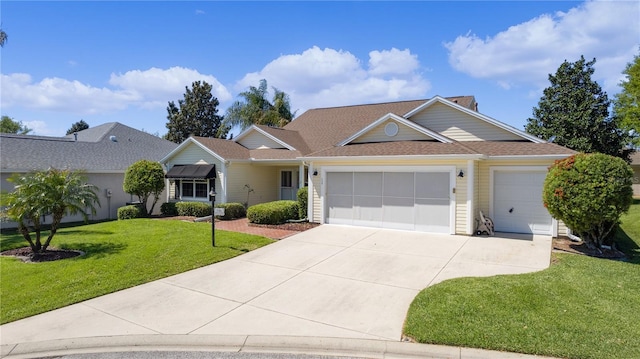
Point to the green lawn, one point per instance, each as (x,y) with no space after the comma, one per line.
(580,307)
(119,255)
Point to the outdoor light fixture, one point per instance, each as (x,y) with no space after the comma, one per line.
(212,195)
(315,173)
(460,174)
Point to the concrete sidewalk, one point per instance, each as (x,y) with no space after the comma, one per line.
(327,282)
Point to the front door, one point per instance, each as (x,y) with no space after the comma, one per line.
(288,185)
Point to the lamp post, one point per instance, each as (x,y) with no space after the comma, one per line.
(212,194)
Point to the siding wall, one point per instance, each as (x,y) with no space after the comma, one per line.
(255,140)
(404,134)
(636,181)
(263,180)
(460,126)
(192,155)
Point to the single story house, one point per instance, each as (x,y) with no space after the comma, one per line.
(425,165)
(104,152)
(635,165)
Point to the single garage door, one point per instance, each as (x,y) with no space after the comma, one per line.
(517,202)
(419,201)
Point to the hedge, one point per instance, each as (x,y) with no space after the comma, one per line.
(303,196)
(273,212)
(197,209)
(129,212)
(232,210)
(169,209)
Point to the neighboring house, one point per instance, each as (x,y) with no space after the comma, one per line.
(635,165)
(104,152)
(424,165)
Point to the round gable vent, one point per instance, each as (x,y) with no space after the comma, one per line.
(391,129)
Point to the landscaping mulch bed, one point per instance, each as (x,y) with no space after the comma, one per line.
(52,254)
(566,245)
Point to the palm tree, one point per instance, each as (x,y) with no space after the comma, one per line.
(51,192)
(3,38)
(257,109)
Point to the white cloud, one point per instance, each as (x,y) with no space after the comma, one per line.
(152,88)
(40,128)
(329,77)
(526,53)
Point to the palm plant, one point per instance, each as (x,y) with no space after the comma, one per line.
(52,192)
(255,108)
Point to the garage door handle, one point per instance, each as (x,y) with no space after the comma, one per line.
(511,210)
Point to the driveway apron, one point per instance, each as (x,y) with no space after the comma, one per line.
(330,281)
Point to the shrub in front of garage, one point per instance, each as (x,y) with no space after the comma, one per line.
(302,195)
(197,209)
(276,212)
(589,193)
(232,210)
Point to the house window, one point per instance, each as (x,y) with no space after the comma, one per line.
(285,179)
(194,190)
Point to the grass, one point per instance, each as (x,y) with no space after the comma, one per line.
(119,255)
(580,307)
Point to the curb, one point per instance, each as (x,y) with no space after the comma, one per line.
(367,348)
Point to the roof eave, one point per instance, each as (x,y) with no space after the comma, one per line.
(470,156)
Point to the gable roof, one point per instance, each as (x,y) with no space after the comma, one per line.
(434,135)
(97,152)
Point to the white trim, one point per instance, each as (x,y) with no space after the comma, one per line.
(493,169)
(475,114)
(471,188)
(264,133)
(223,182)
(528,157)
(391,116)
(450,169)
(400,157)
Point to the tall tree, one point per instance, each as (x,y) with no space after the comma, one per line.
(51,192)
(626,104)
(195,115)
(77,127)
(8,125)
(255,108)
(3,38)
(574,112)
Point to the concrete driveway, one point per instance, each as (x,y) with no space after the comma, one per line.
(330,281)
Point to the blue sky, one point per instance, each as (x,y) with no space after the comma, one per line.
(123,61)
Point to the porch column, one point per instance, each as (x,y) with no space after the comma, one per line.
(301,175)
(310,192)
(471,190)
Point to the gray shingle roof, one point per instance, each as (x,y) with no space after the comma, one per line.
(94,151)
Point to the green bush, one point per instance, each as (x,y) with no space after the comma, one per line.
(273,212)
(197,209)
(589,193)
(232,210)
(169,209)
(129,212)
(302,202)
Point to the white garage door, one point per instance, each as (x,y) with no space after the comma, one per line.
(419,201)
(517,202)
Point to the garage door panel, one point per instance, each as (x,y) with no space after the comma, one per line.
(340,183)
(340,209)
(367,210)
(398,184)
(398,213)
(432,185)
(367,183)
(433,215)
(517,202)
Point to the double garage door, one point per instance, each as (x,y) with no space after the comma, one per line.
(421,201)
(517,202)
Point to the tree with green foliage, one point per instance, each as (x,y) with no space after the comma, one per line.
(195,115)
(3,38)
(8,125)
(52,192)
(574,112)
(255,108)
(144,179)
(589,193)
(626,104)
(77,127)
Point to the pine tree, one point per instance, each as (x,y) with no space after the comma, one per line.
(195,115)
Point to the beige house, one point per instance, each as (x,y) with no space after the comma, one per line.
(424,165)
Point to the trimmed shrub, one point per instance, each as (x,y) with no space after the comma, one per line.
(273,212)
(197,209)
(169,209)
(129,212)
(232,210)
(303,196)
(589,193)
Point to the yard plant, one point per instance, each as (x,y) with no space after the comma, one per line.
(118,255)
(581,307)
(276,212)
(144,179)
